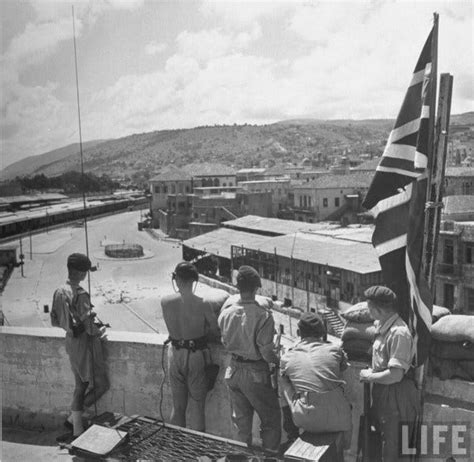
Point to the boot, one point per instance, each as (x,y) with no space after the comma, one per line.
(78,427)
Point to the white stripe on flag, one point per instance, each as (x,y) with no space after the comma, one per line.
(399,171)
(419,76)
(391,245)
(425,112)
(400,151)
(404,130)
(393,201)
(423,310)
(421,160)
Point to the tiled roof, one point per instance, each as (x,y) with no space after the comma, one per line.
(370,165)
(172,174)
(459,171)
(351,180)
(208,169)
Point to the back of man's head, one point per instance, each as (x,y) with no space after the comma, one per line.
(248,279)
(186,271)
(311,325)
(382,297)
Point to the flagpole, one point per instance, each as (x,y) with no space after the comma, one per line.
(428,235)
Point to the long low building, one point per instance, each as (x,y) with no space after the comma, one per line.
(329,265)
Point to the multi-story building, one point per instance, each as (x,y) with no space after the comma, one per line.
(279,188)
(459,181)
(455,269)
(331,197)
(174,181)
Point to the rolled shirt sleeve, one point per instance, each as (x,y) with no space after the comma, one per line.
(400,349)
(264,340)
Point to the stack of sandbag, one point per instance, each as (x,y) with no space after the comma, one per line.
(216,298)
(359,332)
(452,347)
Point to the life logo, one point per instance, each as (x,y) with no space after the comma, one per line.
(437,441)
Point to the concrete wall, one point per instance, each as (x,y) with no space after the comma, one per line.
(37,384)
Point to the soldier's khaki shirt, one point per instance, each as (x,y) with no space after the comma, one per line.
(393,345)
(247,328)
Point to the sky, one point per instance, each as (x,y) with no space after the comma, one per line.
(146,65)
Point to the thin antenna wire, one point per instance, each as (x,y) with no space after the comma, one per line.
(80,149)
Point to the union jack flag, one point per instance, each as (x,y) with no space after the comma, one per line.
(396,199)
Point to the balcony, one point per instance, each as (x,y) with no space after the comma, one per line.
(448,269)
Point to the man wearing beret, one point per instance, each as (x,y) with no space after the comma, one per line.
(395,399)
(247,329)
(190,321)
(72,311)
(312,382)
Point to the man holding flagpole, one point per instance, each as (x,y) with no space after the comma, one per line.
(397,200)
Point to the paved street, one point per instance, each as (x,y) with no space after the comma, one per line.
(126,293)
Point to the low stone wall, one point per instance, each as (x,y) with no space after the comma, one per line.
(37,384)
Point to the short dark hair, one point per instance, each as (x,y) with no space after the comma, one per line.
(186,271)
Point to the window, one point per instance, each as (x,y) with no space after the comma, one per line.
(448,252)
(470,253)
(301,201)
(449,296)
(325,202)
(305,201)
(187,189)
(165,189)
(309,201)
(469,299)
(173,188)
(336,202)
(157,190)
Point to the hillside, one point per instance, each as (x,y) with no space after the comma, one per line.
(141,156)
(31,164)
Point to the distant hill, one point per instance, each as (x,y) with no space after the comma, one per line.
(144,155)
(31,164)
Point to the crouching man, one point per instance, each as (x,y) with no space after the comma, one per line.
(72,311)
(312,382)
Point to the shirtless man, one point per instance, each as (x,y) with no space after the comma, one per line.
(189,321)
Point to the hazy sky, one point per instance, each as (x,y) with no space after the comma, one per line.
(152,65)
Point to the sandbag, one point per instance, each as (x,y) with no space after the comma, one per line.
(454,328)
(447,369)
(216,298)
(361,331)
(358,313)
(453,350)
(439,312)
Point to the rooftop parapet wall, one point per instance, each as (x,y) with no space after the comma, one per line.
(37,384)
(37,381)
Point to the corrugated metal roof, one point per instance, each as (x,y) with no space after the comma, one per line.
(219,241)
(275,226)
(339,253)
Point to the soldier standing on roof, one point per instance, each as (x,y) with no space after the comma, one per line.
(72,311)
(247,328)
(190,321)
